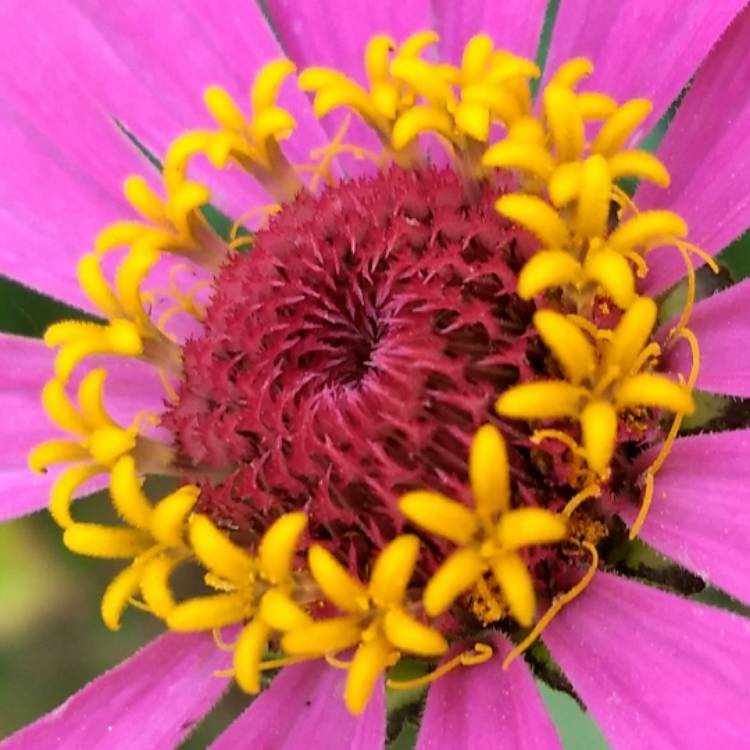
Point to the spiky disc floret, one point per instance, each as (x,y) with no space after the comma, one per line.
(353,352)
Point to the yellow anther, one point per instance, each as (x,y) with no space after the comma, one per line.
(595,106)
(499,100)
(61,494)
(540,400)
(127,496)
(155,587)
(476,57)
(631,334)
(377,57)
(107,444)
(277,548)
(337,584)
(524,156)
(370,660)
(656,391)
(564,122)
(55,451)
(267,83)
(619,126)
(517,586)
(248,653)
(565,183)
(571,72)
(208,612)
(408,634)
(281,613)
(599,430)
(170,516)
(567,342)
(424,80)
(94,540)
(612,272)
(537,216)
(527,130)
(96,288)
(473,119)
(592,208)
(505,66)
(118,594)
(549,268)
(489,472)
(223,109)
(221,556)
(639,164)
(418,120)
(416,43)
(392,571)
(646,228)
(525,526)
(142,197)
(455,576)
(439,515)
(323,636)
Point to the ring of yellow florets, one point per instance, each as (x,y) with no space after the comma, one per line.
(585,271)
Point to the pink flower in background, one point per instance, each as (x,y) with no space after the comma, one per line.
(654,669)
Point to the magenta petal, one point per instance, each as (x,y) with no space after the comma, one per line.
(482,706)
(655,670)
(308,35)
(699,516)
(514,25)
(722,326)
(309,38)
(304,708)
(27,365)
(645,48)
(149,702)
(707,151)
(147,64)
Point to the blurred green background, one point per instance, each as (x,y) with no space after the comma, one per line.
(51,638)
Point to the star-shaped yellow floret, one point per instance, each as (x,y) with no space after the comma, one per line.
(154,538)
(601,380)
(379,621)
(255,587)
(488,536)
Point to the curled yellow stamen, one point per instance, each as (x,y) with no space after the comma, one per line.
(478,654)
(558,603)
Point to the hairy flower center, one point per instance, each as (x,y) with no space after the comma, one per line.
(353,352)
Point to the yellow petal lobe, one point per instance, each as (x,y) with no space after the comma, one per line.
(517,586)
(457,574)
(489,472)
(339,586)
(393,570)
(439,515)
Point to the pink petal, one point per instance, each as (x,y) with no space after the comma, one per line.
(707,150)
(304,708)
(50,209)
(646,48)
(310,38)
(27,365)
(514,25)
(151,701)
(482,706)
(655,670)
(699,513)
(722,325)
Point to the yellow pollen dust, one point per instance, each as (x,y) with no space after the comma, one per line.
(566,153)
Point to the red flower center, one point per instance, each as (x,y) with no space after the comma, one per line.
(352,353)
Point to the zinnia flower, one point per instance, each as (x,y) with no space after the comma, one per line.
(392,330)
